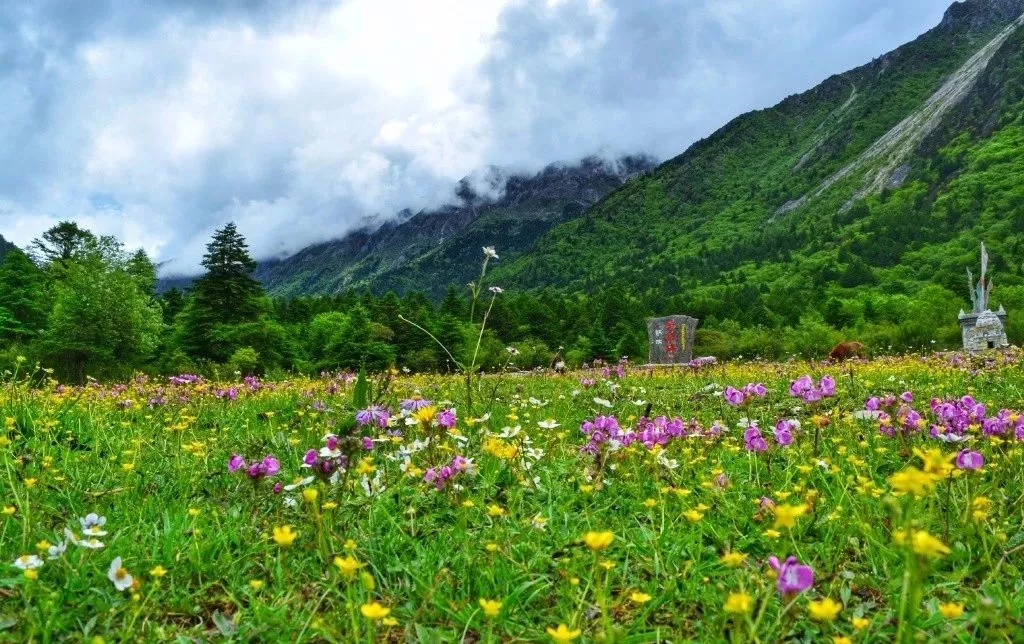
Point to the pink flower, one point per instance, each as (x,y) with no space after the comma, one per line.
(734,396)
(969,460)
(235,463)
(794,577)
(446,418)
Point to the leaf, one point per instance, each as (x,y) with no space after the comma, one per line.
(7,622)
(224,625)
(427,635)
(361,392)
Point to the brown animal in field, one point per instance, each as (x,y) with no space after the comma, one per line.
(845,351)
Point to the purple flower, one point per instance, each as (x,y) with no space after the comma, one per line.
(873,403)
(800,385)
(235,463)
(794,577)
(446,418)
(373,415)
(310,457)
(969,459)
(271,465)
(827,386)
(734,396)
(754,440)
(783,435)
(367,442)
(906,396)
(414,403)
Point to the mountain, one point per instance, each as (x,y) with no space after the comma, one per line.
(430,250)
(858,203)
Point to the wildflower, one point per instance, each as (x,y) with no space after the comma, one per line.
(309,494)
(550,423)
(374,611)
(158,571)
(348,566)
(491,607)
(639,598)
(119,575)
(28,562)
(733,396)
(824,610)
(860,623)
(913,480)
(495,510)
(9,510)
(841,639)
(563,633)
(373,415)
(693,516)
(786,515)
(92,525)
(284,536)
(256,584)
(236,462)
(425,415)
(194,512)
(31,573)
(733,559)
(43,545)
(57,550)
(951,610)
(490,253)
(446,418)
(969,460)
(738,603)
(926,545)
(793,576)
(598,540)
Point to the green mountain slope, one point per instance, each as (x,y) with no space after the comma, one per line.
(432,249)
(5,247)
(857,204)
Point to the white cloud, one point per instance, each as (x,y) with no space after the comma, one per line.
(159,122)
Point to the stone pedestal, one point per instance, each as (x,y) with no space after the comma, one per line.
(985,330)
(671,339)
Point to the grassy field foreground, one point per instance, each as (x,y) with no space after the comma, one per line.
(869,502)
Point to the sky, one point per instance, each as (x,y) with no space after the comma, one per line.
(158,121)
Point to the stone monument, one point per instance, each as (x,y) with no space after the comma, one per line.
(982,328)
(671,339)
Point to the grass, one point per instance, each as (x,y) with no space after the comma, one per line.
(511,528)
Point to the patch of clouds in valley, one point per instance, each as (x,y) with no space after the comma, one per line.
(160,121)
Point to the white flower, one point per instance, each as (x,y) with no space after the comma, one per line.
(512,351)
(602,402)
(510,432)
(91,543)
(56,551)
(496,290)
(534,453)
(550,423)
(298,484)
(92,525)
(539,522)
(490,252)
(290,502)
(28,562)
(119,575)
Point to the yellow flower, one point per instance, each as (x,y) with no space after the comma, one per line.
(374,611)
(841,639)
(425,415)
(951,610)
(194,512)
(786,515)
(598,540)
(31,573)
(158,571)
(468,503)
(860,623)
(914,481)
(738,603)
(9,510)
(348,566)
(366,466)
(772,534)
(310,494)
(495,510)
(256,584)
(284,536)
(824,610)
(30,482)
(350,544)
(926,545)
(733,559)
(329,505)
(639,598)
(491,607)
(43,545)
(563,634)
(935,462)
(491,547)
(693,516)
(389,621)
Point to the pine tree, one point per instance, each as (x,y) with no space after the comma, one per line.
(61,243)
(226,295)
